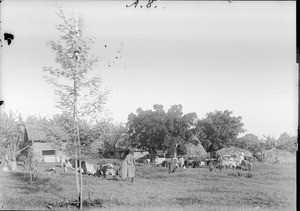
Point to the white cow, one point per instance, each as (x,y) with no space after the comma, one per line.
(158,161)
(89,168)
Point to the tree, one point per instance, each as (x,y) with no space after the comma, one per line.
(246,141)
(158,130)
(109,136)
(78,94)
(287,143)
(11,135)
(220,128)
(147,129)
(180,128)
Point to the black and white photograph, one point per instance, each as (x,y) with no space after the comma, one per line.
(148,105)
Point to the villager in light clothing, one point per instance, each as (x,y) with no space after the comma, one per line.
(128,166)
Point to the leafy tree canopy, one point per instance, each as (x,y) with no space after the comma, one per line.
(159,130)
(219,129)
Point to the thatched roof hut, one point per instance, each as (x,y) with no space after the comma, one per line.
(231,151)
(195,150)
(278,156)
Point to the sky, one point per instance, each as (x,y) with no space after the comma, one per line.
(206,56)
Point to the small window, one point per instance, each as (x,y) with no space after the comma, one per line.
(48,152)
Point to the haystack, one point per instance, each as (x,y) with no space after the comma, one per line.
(195,150)
(278,156)
(231,151)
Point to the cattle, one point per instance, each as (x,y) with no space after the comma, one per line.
(228,164)
(215,164)
(145,160)
(158,161)
(108,169)
(246,165)
(86,168)
(194,162)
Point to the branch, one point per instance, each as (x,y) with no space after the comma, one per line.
(22,149)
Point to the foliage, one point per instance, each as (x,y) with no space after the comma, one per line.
(219,129)
(159,130)
(11,133)
(287,143)
(78,92)
(109,137)
(250,142)
(71,79)
(36,126)
(146,129)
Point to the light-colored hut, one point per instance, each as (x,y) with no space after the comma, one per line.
(278,156)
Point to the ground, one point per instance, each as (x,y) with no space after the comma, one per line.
(267,187)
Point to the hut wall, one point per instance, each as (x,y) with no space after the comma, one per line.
(46,152)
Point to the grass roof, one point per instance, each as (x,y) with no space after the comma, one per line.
(278,156)
(195,150)
(233,151)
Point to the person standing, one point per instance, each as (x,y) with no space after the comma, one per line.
(128,166)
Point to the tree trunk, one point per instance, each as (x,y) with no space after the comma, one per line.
(175,151)
(14,160)
(76,175)
(76,141)
(80,160)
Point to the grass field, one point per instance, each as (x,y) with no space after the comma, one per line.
(269,187)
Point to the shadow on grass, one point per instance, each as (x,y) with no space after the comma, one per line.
(38,184)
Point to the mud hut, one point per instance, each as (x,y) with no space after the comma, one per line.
(233,151)
(278,156)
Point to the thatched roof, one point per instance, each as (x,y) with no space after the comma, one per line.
(233,151)
(278,156)
(195,150)
(36,134)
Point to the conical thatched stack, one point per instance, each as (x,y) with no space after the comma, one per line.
(233,151)
(195,150)
(278,156)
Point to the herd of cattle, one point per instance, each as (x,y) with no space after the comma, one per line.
(114,169)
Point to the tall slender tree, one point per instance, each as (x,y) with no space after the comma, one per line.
(78,93)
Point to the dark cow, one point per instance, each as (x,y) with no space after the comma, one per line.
(108,169)
(214,164)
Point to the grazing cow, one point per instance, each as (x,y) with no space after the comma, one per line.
(158,161)
(228,164)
